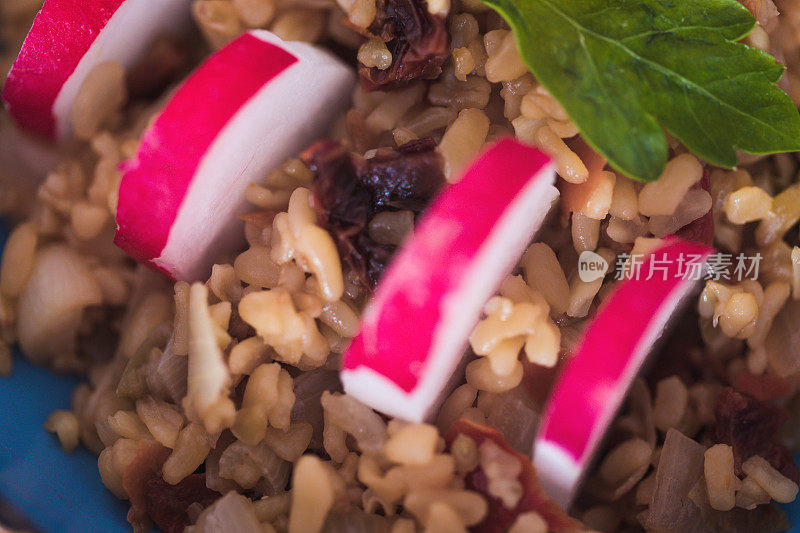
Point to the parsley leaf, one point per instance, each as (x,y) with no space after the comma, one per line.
(625,69)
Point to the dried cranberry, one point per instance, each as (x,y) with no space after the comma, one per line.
(350,190)
(419,43)
(751,427)
(167,504)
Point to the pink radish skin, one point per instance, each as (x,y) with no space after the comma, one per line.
(246,109)
(414,333)
(598,375)
(67,40)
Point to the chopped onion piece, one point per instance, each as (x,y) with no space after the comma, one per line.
(355,418)
(51,307)
(233,513)
(679,467)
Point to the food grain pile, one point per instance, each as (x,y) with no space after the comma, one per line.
(217,406)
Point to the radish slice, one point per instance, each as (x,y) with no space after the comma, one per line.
(414,333)
(67,40)
(246,109)
(614,346)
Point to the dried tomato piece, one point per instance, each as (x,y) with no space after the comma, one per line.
(167,504)
(147,464)
(500,518)
(350,190)
(419,43)
(153,499)
(751,427)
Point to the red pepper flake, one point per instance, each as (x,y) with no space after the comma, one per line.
(499,518)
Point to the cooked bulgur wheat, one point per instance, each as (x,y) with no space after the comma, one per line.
(236,378)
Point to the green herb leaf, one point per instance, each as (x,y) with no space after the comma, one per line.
(625,69)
